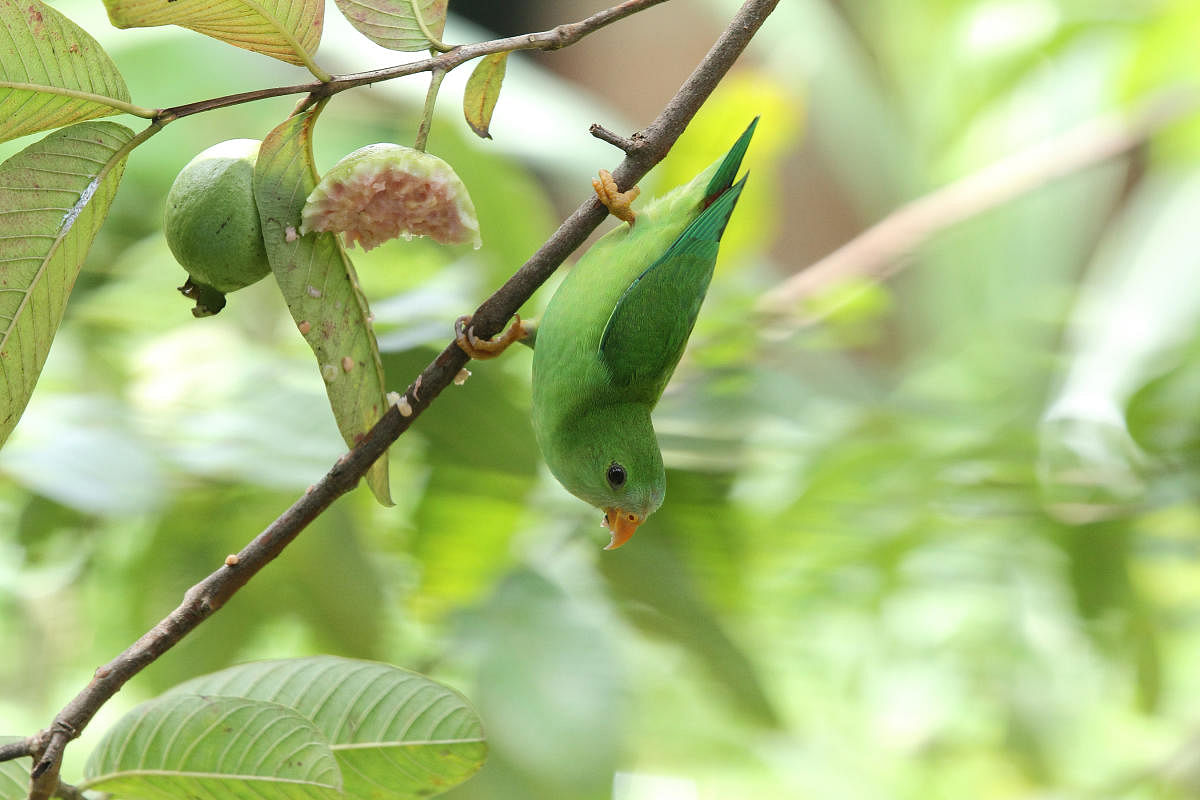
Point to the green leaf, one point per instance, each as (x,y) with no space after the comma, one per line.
(52,73)
(289,30)
(482,92)
(188,745)
(54,195)
(321,288)
(397,735)
(393,23)
(14,776)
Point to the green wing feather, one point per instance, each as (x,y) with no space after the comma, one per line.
(650,325)
(722,179)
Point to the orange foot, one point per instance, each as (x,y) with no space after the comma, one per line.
(480,349)
(617,202)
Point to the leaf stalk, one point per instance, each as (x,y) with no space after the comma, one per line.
(435,83)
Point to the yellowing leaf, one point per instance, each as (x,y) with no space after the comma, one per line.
(321,288)
(54,195)
(52,73)
(289,30)
(393,23)
(483,89)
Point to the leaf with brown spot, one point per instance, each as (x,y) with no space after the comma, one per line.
(52,73)
(321,288)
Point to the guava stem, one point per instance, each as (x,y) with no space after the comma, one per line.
(435,83)
(209,301)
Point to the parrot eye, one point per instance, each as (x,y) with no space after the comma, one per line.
(615,475)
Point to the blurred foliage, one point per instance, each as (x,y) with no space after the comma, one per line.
(942,544)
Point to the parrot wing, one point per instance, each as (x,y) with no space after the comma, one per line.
(650,324)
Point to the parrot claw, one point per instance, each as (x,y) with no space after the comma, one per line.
(617,202)
(479,349)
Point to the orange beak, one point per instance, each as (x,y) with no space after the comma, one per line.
(622,524)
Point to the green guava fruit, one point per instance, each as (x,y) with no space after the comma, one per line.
(211,224)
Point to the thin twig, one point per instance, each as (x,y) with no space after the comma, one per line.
(17,749)
(69,791)
(618,141)
(553,39)
(210,594)
(877,251)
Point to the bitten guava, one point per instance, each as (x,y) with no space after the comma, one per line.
(383,191)
(211,224)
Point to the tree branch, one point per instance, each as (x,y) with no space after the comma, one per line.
(18,748)
(615,139)
(553,39)
(210,594)
(877,251)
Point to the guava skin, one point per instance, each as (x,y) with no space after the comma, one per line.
(212,227)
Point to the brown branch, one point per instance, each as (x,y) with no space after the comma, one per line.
(553,39)
(877,251)
(68,791)
(211,593)
(618,141)
(18,748)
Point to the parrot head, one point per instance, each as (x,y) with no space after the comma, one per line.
(611,460)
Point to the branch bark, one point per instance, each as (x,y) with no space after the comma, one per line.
(647,149)
(18,748)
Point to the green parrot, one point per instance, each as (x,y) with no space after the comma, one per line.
(613,334)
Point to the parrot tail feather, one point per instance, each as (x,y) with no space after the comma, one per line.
(722,179)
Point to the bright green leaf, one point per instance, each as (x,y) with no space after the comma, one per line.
(289,30)
(14,776)
(482,92)
(397,735)
(54,195)
(52,73)
(187,745)
(393,23)
(321,288)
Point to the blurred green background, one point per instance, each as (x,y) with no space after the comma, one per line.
(937,537)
